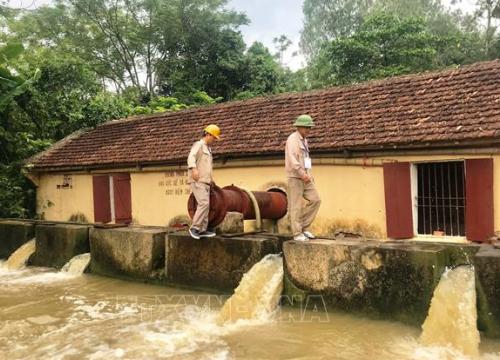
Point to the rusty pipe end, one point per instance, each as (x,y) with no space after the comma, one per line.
(218,206)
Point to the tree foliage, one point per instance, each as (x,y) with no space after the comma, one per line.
(325,20)
(386,45)
(174,46)
(11,84)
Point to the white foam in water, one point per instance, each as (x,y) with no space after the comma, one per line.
(20,278)
(451,324)
(13,271)
(196,329)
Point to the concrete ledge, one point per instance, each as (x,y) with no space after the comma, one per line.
(58,243)
(13,234)
(131,252)
(378,279)
(232,223)
(487,265)
(216,263)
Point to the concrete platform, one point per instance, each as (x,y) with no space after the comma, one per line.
(132,252)
(383,280)
(13,234)
(56,244)
(216,263)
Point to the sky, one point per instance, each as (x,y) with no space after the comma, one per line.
(268,19)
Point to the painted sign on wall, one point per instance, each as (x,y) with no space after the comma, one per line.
(175,183)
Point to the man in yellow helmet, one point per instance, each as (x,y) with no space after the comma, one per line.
(199,177)
(300,181)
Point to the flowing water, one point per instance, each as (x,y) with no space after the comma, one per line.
(18,258)
(452,315)
(46,314)
(77,265)
(258,294)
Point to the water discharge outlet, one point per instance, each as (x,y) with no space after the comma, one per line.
(272,204)
(77,265)
(452,318)
(257,296)
(19,258)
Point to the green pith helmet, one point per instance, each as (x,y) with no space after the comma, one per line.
(304,121)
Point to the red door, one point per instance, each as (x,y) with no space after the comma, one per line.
(479,216)
(122,197)
(102,204)
(398,205)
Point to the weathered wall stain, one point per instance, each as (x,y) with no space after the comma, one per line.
(179,220)
(371,260)
(79,218)
(329,227)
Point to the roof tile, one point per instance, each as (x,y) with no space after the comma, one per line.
(452,105)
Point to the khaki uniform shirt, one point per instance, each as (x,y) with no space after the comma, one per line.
(296,150)
(200,157)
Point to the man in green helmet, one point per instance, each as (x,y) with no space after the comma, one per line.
(300,181)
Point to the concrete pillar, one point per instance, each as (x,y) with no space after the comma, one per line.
(487,266)
(383,280)
(216,263)
(130,252)
(56,244)
(13,234)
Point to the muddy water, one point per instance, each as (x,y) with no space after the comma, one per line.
(49,315)
(452,315)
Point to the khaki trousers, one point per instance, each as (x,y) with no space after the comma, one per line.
(302,216)
(201,192)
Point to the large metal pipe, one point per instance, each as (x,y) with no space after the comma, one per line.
(272,204)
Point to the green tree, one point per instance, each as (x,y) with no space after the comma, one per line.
(147,44)
(282,43)
(488,11)
(16,194)
(325,20)
(207,50)
(386,45)
(403,8)
(263,75)
(56,102)
(60,100)
(11,85)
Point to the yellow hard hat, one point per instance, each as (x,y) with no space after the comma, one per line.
(213,130)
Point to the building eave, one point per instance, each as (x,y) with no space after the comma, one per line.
(476,147)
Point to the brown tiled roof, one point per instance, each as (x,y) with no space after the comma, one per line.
(452,106)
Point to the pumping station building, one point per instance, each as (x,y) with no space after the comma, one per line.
(407,168)
(405,158)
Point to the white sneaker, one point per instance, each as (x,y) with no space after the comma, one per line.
(309,235)
(300,237)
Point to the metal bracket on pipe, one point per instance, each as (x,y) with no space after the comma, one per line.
(256,208)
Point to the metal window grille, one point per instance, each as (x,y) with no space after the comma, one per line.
(441,198)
